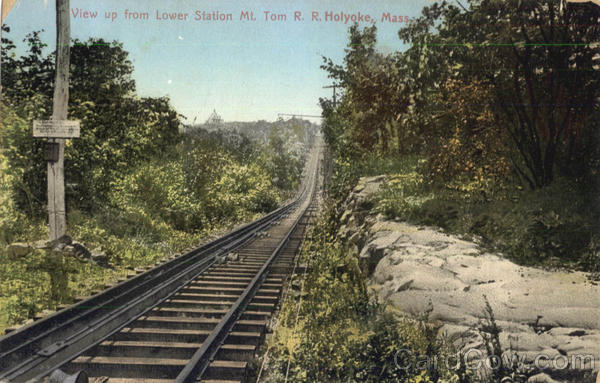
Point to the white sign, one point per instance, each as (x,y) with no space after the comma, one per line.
(56,128)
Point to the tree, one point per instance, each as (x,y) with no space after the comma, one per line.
(469,147)
(27,80)
(283,167)
(373,94)
(118,129)
(539,62)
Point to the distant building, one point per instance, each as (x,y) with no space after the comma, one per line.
(214,119)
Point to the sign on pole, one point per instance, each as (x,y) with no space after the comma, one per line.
(56,128)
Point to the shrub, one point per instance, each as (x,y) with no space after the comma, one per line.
(530,226)
(242,189)
(158,191)
(340,334)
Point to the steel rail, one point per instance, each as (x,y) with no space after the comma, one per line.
(201,360)
(35,350)
(92,320)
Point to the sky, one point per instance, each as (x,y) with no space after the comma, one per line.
(246,70)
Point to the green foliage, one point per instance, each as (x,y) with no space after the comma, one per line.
(284,168)
(248,185)
(155,209)
(490,101)
(24,289)
(490,110)
(157,190)
(338,334)
(126,245)
(136,189)
(374,96)
(24,160)
(118,129)
(176,193)
(469,153)
(525,64)
(9,215)
(529,226)
(114,138)
(348,170)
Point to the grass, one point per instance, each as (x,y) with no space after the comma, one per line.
(26,282)
(531,227)
(133,235)
(334,331)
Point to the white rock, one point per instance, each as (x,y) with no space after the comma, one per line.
(538,311)
(18,250)
(541,378)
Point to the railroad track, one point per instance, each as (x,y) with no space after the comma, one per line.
(198,318)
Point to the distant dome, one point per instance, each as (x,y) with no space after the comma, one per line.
(214,119)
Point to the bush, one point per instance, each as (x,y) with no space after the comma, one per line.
(242,190)
(532,227)
(154,209)
(341,334)
(135,186)
(23,163)
(157,191)
(349,169)
(10,217)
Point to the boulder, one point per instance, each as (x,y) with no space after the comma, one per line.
(418,269)
(42,244)
(541,378)
(61,242)
(381,245)
(99,257)
(68,250)
(80,251)
(18,249)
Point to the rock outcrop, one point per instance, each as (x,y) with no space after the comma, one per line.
(18,249)
(553,315)
(61,246)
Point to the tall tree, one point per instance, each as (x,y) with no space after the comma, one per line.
(541,63)
(118,129)
(372,91)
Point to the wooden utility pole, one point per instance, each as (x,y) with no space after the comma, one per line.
(334,86)
(5,6)
(56,171)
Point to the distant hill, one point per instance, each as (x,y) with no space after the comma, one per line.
(259,130)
